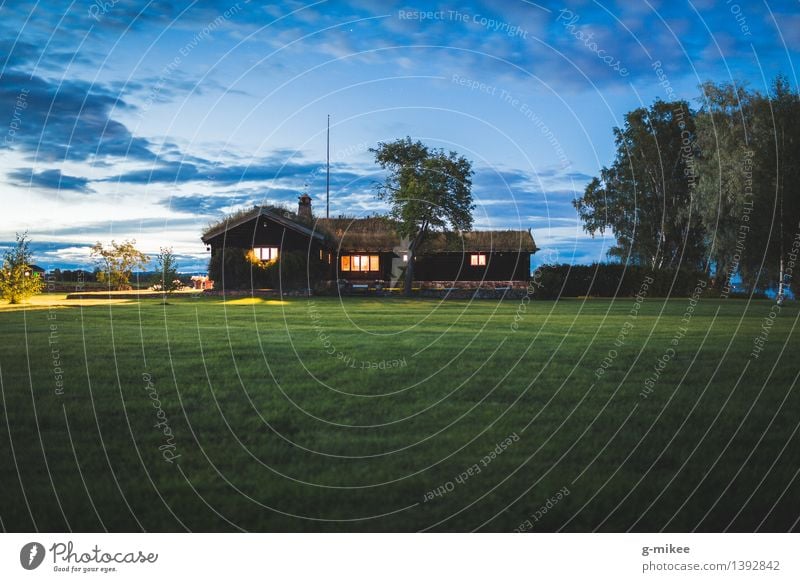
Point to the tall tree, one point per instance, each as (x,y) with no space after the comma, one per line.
(117,262)
(427,190)
(17,279)
(647,197)
(781,132)
(750,176)
(726,126)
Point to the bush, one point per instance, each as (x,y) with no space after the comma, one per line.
(294,272)
(612,280)
(17,280)
(230,269)
(234,268)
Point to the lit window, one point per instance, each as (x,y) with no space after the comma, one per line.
(320,254)
(364,263)
(477,260)
(405,257)
(266,253)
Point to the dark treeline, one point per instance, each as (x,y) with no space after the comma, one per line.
(76,276)
(712,189)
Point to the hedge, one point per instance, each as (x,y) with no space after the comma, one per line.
(612,280)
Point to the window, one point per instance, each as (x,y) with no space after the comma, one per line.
(477,260)
(266,253)
(364,263)
(405,257)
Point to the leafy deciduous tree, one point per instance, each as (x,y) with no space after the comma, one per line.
(117,262)
(167,275)
(646,197)
(780,130)
(725,126)
(17,279)
(750,174)
(427,190)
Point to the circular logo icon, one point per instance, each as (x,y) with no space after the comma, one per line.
(550,257)
(31,555)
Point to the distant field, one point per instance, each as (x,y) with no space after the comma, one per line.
(388,414)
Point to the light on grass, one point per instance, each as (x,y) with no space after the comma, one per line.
(254,301)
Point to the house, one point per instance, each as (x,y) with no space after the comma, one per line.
(366,251)
(201,282)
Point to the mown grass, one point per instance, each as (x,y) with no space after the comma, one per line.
(274,433)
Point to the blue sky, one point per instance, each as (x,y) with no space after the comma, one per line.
(149,120)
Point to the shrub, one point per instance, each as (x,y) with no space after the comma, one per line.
(294,272)
(229,268)
(234,268)
(17,279)
(613,280)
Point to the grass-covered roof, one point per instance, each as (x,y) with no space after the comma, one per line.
(379,233)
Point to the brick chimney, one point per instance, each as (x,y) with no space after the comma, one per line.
(304,206)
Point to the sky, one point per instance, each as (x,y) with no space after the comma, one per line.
(150,120)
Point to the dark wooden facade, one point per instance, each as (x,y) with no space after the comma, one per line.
(456,266)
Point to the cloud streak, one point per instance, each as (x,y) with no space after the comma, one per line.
(49,180)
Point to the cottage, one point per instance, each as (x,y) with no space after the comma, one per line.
(201,282)
(365,251)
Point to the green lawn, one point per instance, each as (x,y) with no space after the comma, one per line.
(329,415)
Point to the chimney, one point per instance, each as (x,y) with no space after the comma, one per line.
(304,206)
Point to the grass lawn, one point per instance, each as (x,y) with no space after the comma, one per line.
(387,414)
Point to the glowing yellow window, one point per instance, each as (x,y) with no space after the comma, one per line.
(266,253)
(362,263)
(477,260)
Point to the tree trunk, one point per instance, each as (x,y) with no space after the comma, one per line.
(409,274)
(412,255)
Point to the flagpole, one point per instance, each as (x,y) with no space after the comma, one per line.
(328,176)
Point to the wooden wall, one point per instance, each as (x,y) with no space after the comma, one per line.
(500,266)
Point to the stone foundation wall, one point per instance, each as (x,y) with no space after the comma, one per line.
(472,285)
(432,289)
(481,293)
